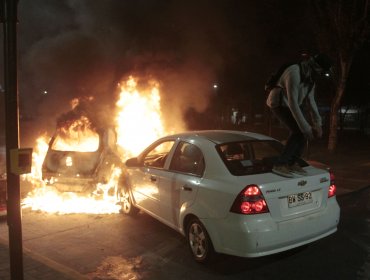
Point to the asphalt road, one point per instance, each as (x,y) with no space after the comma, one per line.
(121,247)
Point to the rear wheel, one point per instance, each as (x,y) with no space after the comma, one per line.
(126,203)
(199,242)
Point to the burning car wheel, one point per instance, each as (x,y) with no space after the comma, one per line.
(126,203)
(199,241)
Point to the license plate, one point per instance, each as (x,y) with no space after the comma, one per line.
(299,199)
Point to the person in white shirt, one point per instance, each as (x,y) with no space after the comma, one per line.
(295,87)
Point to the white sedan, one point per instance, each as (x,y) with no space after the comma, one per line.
(217,189)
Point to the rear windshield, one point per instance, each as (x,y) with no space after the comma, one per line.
(76,142)
(249,157)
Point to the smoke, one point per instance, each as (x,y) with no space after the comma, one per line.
(71,49)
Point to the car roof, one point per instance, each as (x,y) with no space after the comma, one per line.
(222,136)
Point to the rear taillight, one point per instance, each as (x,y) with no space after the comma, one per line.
(250,201)
(332,188)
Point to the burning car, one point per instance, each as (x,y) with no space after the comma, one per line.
(79,170)
(80,159)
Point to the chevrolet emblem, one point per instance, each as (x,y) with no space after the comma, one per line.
(302,183)
(323,180)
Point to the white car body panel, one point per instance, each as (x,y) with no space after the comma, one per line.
(144,189)
(177,194)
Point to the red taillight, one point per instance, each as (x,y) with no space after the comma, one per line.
(250,201)
(332,188)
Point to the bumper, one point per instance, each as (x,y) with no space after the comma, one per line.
(256,236)
(69,184)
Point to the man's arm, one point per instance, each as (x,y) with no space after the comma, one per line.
(314,112)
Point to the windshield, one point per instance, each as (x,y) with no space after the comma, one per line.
(249,157)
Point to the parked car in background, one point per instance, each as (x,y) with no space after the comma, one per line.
(217,189)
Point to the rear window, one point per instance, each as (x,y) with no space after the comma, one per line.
(249,157)
(78,141)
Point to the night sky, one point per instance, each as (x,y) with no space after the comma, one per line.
(82,47)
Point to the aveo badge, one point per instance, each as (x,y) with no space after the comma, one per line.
(302,183)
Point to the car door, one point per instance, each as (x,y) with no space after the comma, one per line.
(146,179)
(178,190)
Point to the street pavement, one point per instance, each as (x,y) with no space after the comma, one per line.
(35,267)
(350,164)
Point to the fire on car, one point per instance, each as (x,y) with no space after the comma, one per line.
(70,165)
(78,169)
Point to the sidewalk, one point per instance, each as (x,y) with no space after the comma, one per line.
(35,267)
(350,164)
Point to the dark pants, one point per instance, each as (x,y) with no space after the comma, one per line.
(294,147)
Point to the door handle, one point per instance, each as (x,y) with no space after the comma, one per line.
(186,188)
(153,178)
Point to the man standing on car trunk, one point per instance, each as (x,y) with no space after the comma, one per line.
(293,89)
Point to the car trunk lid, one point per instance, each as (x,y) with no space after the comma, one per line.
(290,197)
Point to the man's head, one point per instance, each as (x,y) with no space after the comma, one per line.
(322,64)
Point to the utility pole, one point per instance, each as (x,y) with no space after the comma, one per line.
(9,19)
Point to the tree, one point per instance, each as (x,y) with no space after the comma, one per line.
(342,28)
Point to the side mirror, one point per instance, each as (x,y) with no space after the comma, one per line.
(132,162)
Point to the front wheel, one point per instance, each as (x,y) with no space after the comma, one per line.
(199,242)
(126,203)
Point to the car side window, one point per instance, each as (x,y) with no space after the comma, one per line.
(188,158)
(157,156)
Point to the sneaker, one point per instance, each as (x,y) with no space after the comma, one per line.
(282,170)
(296,168)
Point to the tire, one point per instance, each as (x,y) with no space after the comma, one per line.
(199,242)
(126,203)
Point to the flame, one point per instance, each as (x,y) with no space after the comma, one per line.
(139,117)
(100,202)
(138,122)
(78,136)
(38,155)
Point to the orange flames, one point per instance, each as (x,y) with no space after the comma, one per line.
(139,117)
(138,122)
(78,136)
